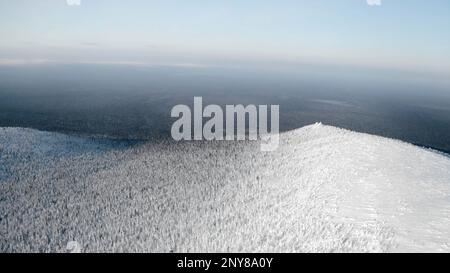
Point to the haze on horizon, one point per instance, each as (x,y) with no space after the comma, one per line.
(402,34)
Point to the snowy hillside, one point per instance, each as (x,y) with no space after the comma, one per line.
(325,189)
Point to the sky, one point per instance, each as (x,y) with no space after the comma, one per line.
(405,34)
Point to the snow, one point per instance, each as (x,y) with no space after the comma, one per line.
(324,190)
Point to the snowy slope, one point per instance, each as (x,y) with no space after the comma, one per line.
(325,189)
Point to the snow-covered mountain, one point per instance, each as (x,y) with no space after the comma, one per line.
(325,189)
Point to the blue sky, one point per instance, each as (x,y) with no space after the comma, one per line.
(407,34)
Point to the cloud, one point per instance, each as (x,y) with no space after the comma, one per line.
(73,2)
(374,2)
(89,44)
(15,62)
(24,62)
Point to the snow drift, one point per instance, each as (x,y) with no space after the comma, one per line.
(324,190)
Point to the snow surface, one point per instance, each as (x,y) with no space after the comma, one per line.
(324,190)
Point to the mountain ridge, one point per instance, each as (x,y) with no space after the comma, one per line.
(324,190)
